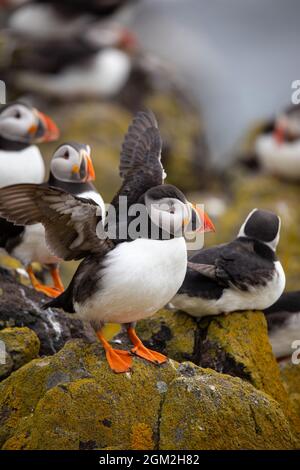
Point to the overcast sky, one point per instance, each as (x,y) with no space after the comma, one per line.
(238,57)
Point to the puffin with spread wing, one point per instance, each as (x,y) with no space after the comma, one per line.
(71,169)
(126,277)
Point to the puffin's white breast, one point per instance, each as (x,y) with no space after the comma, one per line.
(104,75)
(139,278)
(21,166)
(33,247)
(43,22)
(281,159)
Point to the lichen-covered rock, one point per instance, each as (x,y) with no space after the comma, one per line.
(237,344)
(72,400)
(207,410)
(172,333)
(22,306)
(21,346)
(290,374)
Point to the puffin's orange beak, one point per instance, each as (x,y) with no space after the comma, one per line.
(279,134)
(128,41)
(91,175)
(50,129)
(207,225)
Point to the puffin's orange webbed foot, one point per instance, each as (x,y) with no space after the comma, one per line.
(57,279)
(49,291)
(141,350)
(119,361)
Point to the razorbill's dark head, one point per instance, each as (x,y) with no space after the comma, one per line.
(20,122)
(169,209)
(262,225)
(72,163)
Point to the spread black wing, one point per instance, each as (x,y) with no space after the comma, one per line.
(72,224)
(140,160)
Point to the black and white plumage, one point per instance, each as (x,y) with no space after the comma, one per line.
(283,318)
(71,169)
(68,55)
(21,128)
(118,280)
(240,275)
(278,147)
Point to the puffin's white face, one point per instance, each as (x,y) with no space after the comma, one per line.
(72,163)
(20,123)
(169,214)
(173,213)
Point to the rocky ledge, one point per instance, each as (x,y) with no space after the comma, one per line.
(73,401)
(21,306)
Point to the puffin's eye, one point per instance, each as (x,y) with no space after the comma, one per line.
(66,155)
(17,114)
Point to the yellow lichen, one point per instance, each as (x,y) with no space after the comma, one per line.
(72,400)
(141,437)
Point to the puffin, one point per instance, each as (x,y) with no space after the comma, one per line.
(126,277)
(71,169)
(244,274)
(69,56)
(21,128)
(278,146)
(283,319)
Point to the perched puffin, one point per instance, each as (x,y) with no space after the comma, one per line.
(278,148)
(283,318)
(71,169)
(121,279)
(21,127)
(240,275)
(68,56)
